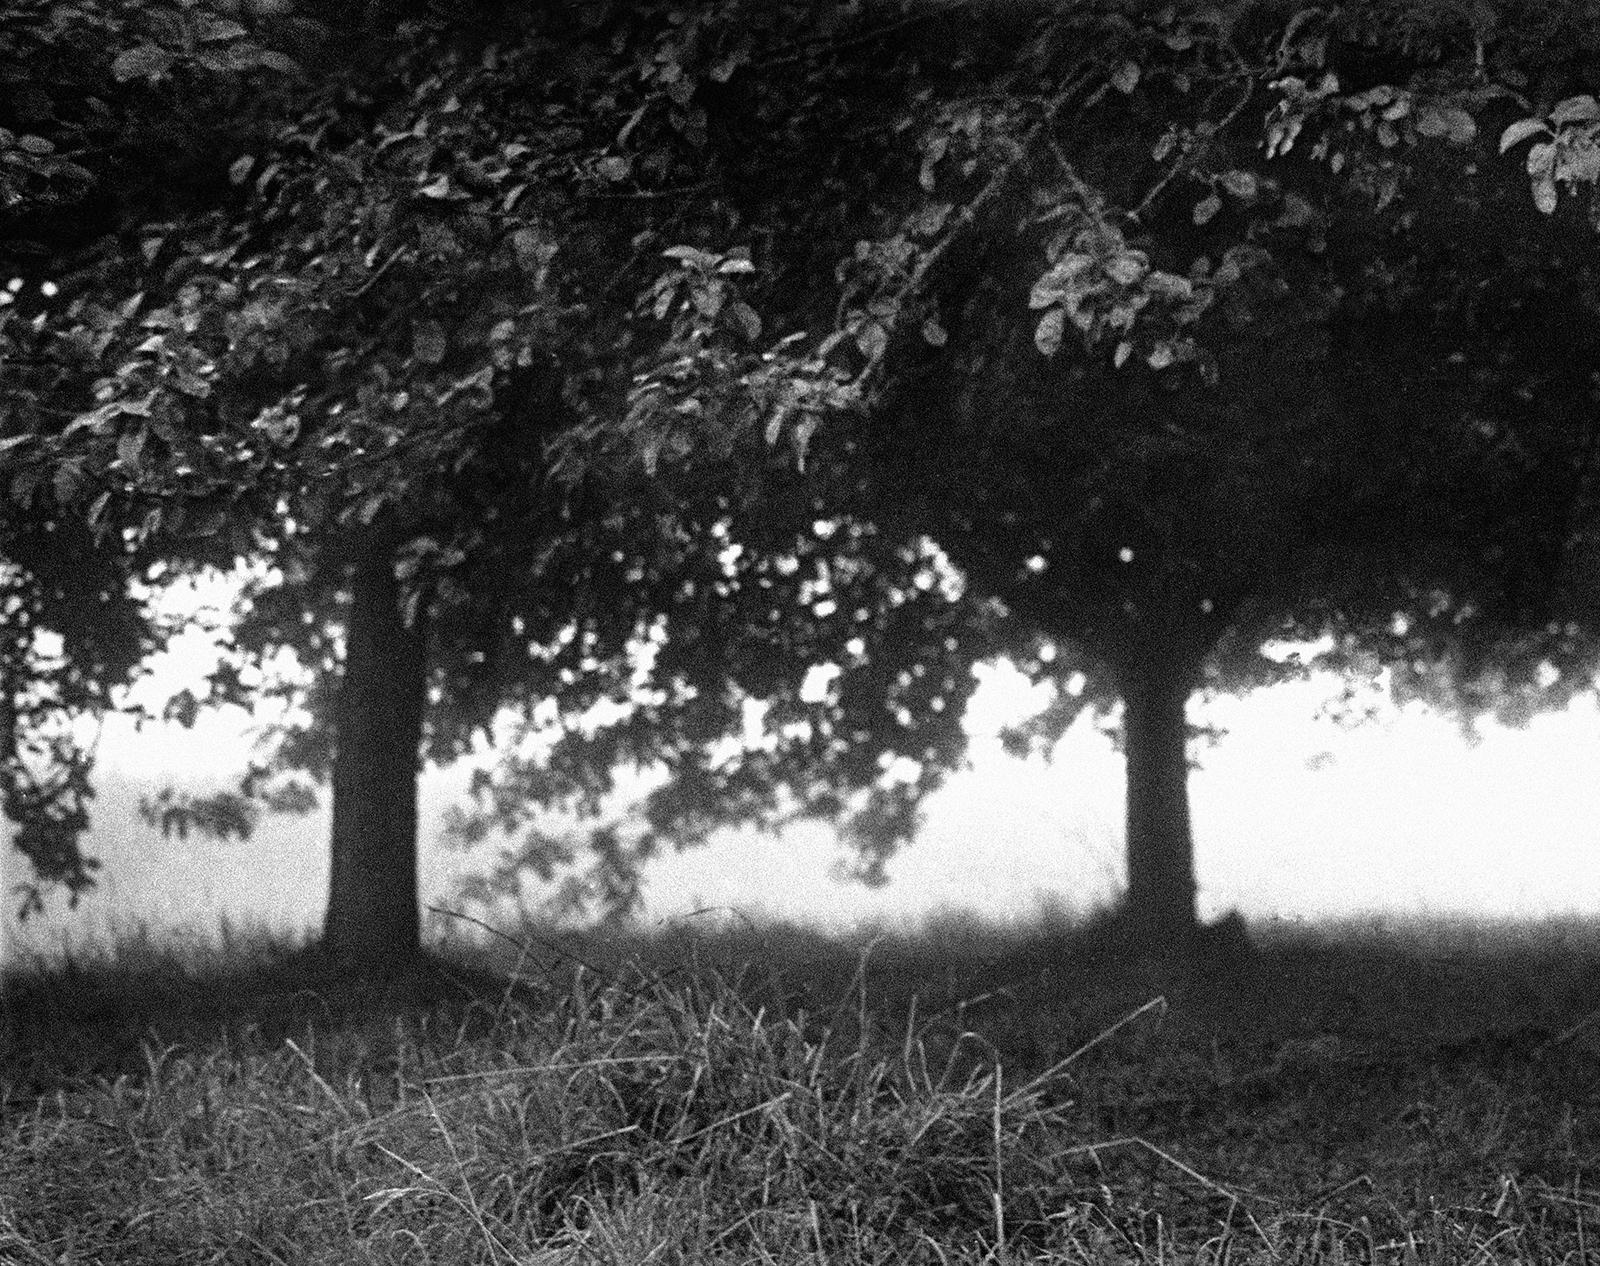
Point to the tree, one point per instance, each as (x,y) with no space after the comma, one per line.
(1228,464)
(371,367)
(1283,349)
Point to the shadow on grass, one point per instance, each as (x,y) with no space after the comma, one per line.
(1030,989)
(67,1021)
(696,1092)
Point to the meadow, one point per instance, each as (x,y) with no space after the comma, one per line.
(720,1093)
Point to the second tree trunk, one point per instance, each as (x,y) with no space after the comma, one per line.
(1160,901)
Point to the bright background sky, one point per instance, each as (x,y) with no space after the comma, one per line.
(1295,817)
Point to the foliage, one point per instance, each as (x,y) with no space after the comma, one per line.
(110,115)
(110,112)
(678,354)
(1168,333)
(1261,230)
(414,331)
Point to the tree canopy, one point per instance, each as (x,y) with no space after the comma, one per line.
(111,117)
(756,370)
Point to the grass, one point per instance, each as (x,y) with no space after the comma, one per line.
(962,1094)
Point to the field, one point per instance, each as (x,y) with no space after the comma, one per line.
(1422,1094)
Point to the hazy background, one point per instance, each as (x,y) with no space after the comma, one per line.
(1295,817)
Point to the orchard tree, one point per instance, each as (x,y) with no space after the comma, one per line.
(387,367)
(1253,337)
(1178,332)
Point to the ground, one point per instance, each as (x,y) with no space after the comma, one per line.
(1420,1094)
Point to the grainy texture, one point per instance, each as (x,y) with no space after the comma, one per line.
(769,1095)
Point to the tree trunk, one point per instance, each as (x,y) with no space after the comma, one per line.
(1160,901)
(372,894)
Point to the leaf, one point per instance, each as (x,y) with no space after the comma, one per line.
(221,59)
(215,30)
(146,61)
(1170,286)
(533,252)
(934,333)
(873,340)
(1579,165)
(30,144)
(1128,268)
(933,150)
(239,169)
(66,481)
(1297,213)
(1119,358)
(1450,122)
(1047,336)
(436,188)
(689,255)
(1281,136)
(1206,208)
(272,59)
(723,68)
(1582,109)
(1065,279)
(1049,289)
(1241,184)
(927,221)
(1544,194)
(708,299)
(1519,131)
(129,445)
(429,343)
(746,318)
(614,168)
(1126,77)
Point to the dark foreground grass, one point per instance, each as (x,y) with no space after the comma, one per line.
(767,1095)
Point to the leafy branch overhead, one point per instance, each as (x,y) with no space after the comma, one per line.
(1566,151)
(1229,123)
